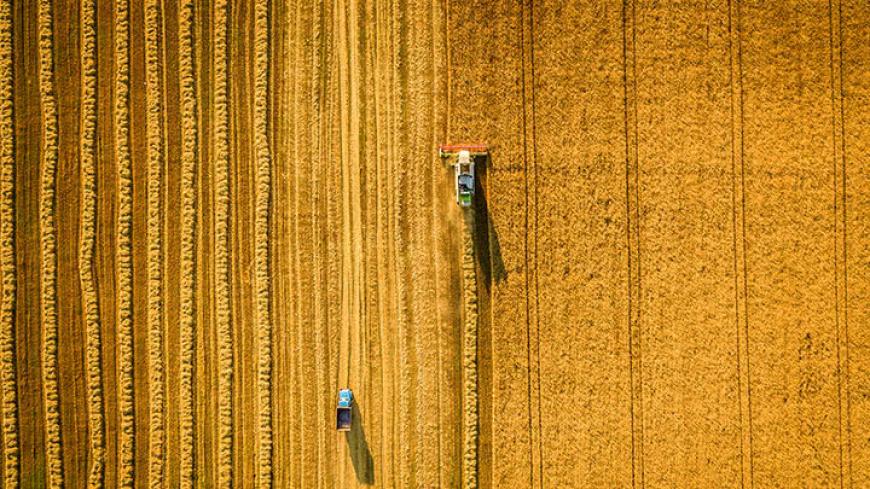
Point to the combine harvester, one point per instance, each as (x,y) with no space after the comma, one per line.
(462,156)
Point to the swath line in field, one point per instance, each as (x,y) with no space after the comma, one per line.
(469,357)
(48,242)
(124,257)
(221,253)
(11,454)
(87,156)
(154,135)
(262,252)
(187,326)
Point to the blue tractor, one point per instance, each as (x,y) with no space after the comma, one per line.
(344,410)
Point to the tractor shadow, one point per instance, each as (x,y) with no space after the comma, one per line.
(360,454)
(486,242)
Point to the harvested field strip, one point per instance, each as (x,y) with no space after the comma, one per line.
(308,25)
(8,276)
(263,274)
(316,251)
(470,421)
(87,151)
(187,323)
(404,364)
(222,247)
(48,241)
(124,252)
(155,138)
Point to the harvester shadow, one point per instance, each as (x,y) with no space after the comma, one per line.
(360,454)
(490,267)
(485,235)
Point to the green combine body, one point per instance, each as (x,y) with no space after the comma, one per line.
(461,157)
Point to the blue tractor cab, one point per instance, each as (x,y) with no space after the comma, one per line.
(344,410)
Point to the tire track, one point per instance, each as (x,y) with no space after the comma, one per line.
(841,292)
(96,415)
(632,237)
(48,244)
(343,213)
(188,324)
(222,253)
(470,419)
(155,156)
(854,91)
(263,257)
(739,245)
(8,273)
(334,286)
(530,246)
(373,341)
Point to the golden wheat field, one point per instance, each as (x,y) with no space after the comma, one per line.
(217,213)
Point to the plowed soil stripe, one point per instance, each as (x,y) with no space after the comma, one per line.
(262,254)
(96,421)
(7,255)
(48,240)
(189,157)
